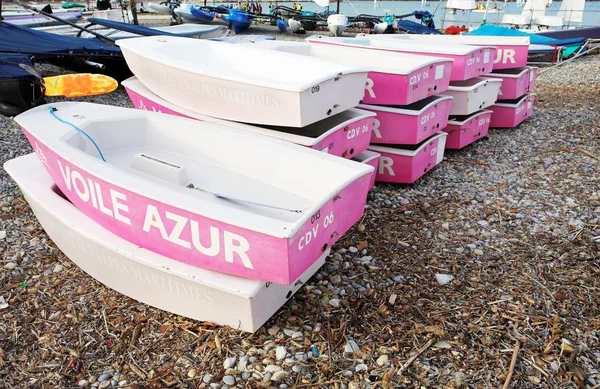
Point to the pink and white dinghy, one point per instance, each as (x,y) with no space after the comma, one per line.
(406,164)
(473,95)
(394,78)
(511,113)
(464,130)
(515,82)
(469,61)
(199,193)
(409,124)
(344,135)
(243,83)
(511,50)
(145,276)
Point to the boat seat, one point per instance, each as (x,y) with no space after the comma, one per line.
(159,168)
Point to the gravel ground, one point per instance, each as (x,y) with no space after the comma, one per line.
(510,221)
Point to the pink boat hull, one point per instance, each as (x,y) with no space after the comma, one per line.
(474,64)
(513,85)
(533,71)
(511,115)
(463,133)
(346,142)
(211,244)
(404,89)
(370,158)
(510,56)
(407,166)
(411,124)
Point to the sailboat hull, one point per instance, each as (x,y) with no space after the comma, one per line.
(462,131)
(337,24)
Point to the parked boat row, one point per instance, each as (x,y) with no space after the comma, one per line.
(233,183)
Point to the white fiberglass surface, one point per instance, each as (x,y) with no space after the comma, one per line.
(398,45)
(246,64)
(457,39)
(470,83)
(378,61)
(216,159)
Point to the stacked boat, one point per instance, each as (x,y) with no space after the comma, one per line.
(498,97)
(209,219)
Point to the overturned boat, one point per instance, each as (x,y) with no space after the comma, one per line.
(206,77)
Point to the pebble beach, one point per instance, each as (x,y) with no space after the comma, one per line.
(485,273)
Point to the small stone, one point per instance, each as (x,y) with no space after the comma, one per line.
(215,385)
(352,385)
(10,266)
(334,303)
(207,378)
(103,377)
(279,375)
(272,368)
(351,347)
(273,330)
(48,272)
(353,250)
(123,383)
(229,362)
(113,383)
(360,367)
(459,379)
(2,235)
(443,279)
(83,383)
(297,335)
(246,375)
(192,373)
(288,331)
(229,380)
(92,379)
(336,279)
(283,386)
(241,366)
(58,268)
(296,368)
(280,352)
(478,252)
(104,384)
(383,360)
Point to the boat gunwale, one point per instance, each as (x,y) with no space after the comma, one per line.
(419,48)
(469,88)
(303,140)
(175,196)
(404,111)
(404,152)
(469,117)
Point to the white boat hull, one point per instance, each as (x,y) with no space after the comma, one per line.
(337,24)
(198,31)
(142,275)
(207,79)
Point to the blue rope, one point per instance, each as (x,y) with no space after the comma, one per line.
(78,129)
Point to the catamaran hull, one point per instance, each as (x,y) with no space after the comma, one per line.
(466,130)
(410,124)
(345,138)
(143,275)
(405,166)
(248,103)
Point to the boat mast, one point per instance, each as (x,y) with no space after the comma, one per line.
(487,4)
(338,7)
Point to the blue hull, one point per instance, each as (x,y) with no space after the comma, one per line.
(203,16)
(240,21)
